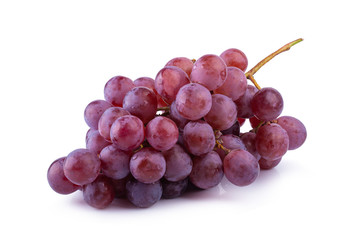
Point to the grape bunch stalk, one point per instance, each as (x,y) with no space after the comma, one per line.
(158,138)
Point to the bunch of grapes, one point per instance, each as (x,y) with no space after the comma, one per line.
(157,138)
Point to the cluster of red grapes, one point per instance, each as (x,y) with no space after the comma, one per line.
(151,139)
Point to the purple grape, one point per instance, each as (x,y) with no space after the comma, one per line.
(199,137)
(57,180)
(193,101)
(183,63)
(168,81)
(127,132)
(107,119)
(222,114)
(116,88)
(235,58)
(120,187)
(267,104)
(240,167)
(178,164)
(254,122)
(174,189)
(143,195)
(243,103)
(234,85)
(100,193)
(230,142)
(114,162)
(81,166)
(147,165)
(176,117)
(268,164)
(271,141)
(234,129)
(295,130)
(162,133)
(95,142)
(141,102)
(93,112)
(207,170)
(249,141)
(209,71)
(88,133)
(145,82)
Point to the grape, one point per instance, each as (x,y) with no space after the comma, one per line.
(230,142)
(145,82)
(295,130)
(268,164)
(183,63)
(271,141)
(143,195)
(116,88)
(249,141)
(254,122)
(168,82)
(193,101)
(234,129)
(81,166)
(107,119)
(114,162)
(100,193)
(267,104)
(178,164)
(127,132)
(141,102)
(174,189)
(162,133)
(95,142)
(235,58)
(120,187)
(207,170)
(147,165)
(209,71)
(241,120)
(240,167)
(234,85)
(176,117)
(88,133)
(222,114)
(57,180)
(198,137)
(244,103)
(93,112)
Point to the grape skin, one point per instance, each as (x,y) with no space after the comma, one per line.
(162,133)
(178,164)
(147,165)
(295,130)
(234,129)
(210,71)
(173,189)
(207,170)
(57,180)
(240,167)
(95,142)
(193,101)
(234,85)
(114,162)
(93,112)
(143,195)
(235,58)
(81,166)
(267,104)
(145,82)
(100,193)
(222,114)
(271,141)
(127,132)
(198,137)
(248,139)
(230,142)
(107,119)
(243,103)
(183,63)
(268,164)
(116,88)
(176,117)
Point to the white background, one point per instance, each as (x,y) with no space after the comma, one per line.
(56,56)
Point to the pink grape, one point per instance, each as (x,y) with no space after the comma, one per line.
(82,166)
(248,139)
(193,101)
(183,63)
(114,162)
(295,130)
(145,82)
(178,164)
(267,104)
(222,114)
(244,103)
(230,142)
(116,88)
(240,167)
(168,81)
(127,132)
(268,164)
(93,112)
(199,137)
(88,133)
(95,142)
(209,71)
(143,195)
(107,119)
(234,129)
(161,133)
(234,85)
(174,189)
(141,102)
(176,117)
(235,58)
(100,193)
(57,180)
(254,122)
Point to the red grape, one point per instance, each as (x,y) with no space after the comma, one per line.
(178,163)
(222,114)
(243,103)
(268,164)
(100,193)
(267,104)
(107,119)
(235,58)
(116,88)
(143,195)
(114,162)
(183,63)
(93,112)
(95,142)
(162,133)
(234,85)
(295,130)
(199,137)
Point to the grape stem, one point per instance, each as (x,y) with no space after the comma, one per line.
(167,108)
(252,79)
(219,145)
(286,47)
